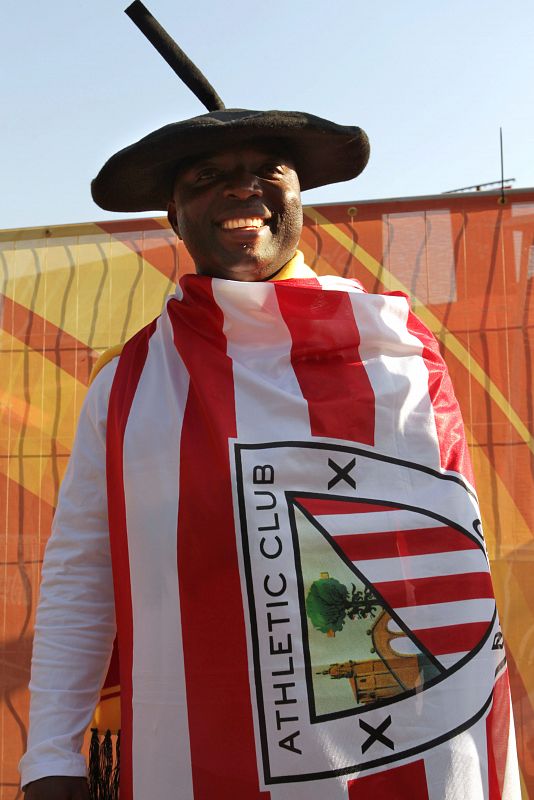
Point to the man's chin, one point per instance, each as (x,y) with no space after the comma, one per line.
(248,268)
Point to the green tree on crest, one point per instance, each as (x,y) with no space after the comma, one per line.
(329,604)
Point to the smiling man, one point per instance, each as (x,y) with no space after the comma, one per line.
(270,504)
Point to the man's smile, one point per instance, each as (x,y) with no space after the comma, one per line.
(243,223)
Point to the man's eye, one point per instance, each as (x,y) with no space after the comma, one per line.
(272,169)
(206,174)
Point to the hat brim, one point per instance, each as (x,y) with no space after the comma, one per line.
(141,177)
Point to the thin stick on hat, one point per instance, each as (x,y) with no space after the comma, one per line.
(140,176)
(174,56)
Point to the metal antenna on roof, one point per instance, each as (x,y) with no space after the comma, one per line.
(174,56)
(502,198)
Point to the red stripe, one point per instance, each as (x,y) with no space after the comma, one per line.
(113,676)
(129,370)
(408,781)
(497,734)
(319,507)
(327,363)
(221,728)
(442,589)
(452,638)
(392,544)
(453,450)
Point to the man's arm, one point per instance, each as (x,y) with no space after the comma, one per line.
(75,624)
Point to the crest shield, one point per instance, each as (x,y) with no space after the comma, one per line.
(365,607)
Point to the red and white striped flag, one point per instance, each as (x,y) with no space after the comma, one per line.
(303,599)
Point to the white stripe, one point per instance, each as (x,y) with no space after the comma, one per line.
(268,399)
(376,522)
(448,660)
(458,768)
(404,418)
(434,565)
(336,283)
(405,647)
(160,747)
(439,615)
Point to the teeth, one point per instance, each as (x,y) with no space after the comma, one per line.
(249,222)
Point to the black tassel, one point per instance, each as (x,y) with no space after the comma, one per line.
(104,767)
(117,769)
(94,764)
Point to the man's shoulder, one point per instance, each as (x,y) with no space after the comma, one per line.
(105,358)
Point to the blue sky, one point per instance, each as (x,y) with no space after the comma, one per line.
(430,82)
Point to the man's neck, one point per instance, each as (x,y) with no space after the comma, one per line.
(294,268)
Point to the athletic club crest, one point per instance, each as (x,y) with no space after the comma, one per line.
(370,606)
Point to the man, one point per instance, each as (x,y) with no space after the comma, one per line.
(268,480)
(238,211)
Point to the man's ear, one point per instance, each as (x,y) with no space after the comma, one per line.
(172,217)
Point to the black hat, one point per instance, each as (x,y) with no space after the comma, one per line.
(140,177)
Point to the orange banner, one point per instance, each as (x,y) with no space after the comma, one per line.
(69,293)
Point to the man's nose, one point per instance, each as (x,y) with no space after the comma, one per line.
(243,184)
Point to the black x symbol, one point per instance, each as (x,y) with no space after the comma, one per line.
(342,473)
(376,734)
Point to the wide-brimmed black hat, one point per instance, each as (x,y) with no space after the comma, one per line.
(140,177)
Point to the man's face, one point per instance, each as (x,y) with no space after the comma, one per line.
(238,212)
